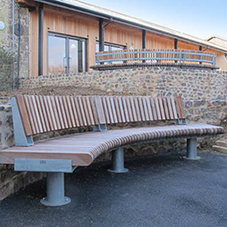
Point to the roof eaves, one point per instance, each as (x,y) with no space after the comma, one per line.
(124,19)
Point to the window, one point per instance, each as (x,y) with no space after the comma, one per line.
(66,54)
(111,47)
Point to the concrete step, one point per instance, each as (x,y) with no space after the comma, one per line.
(221,143)
(220,149)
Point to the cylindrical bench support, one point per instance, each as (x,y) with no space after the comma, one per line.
(55,190)
(118,161)
(192,149)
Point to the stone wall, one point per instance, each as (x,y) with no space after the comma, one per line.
(192,84)
(204,91)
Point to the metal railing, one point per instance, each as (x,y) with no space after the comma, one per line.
(156,56)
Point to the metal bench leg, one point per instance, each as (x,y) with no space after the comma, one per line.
(118,161)
(192,149)
(55,190)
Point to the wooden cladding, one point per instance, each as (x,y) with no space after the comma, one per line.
(41,114)
(66,22)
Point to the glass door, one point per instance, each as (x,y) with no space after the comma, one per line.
(77,55)
(66,54)
(56,55)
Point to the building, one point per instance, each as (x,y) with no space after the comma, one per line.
(62,36)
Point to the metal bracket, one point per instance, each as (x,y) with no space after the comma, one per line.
(21,139)
(100,128)
(181,121)
(44,165)
(55,169)
(111,19)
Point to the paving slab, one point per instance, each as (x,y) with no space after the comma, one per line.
(161,190)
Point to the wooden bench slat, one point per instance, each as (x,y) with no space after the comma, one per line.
(133,109)
(161,108)
(70,110)
(76,101)
(31,114)
(106,112)
(129,108)
(56,113)
(44,108)
(74,110)
(60,114)
(125,109)
(121,109)
(149,108)
(137,108)
(180,108)
(99,109)
(170,108)
(66,107)
(24,115)
(109,110)
(142,109)
(144,104)
(63,113)
(52,114)
(117,106)
(95,112)
(49,113)
(33,111)
(86,114)
(157,108)
(37,115)
(153,107)
(174,108)
(40,112)
(82,112)
(165,108)
(90,113)
(40,106)
(113,108)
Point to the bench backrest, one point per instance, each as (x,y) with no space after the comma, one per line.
(41,114)
(116,109)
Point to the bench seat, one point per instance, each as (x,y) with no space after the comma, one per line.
(84,148)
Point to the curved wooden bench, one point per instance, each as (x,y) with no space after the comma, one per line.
(39,114)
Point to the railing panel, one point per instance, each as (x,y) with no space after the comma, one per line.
(168,55)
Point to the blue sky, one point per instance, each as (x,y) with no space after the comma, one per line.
(201,18)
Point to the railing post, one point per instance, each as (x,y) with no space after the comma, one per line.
(143,43)
(200,49)
(180,56)
(175,47)
(214,60)
(184,57)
